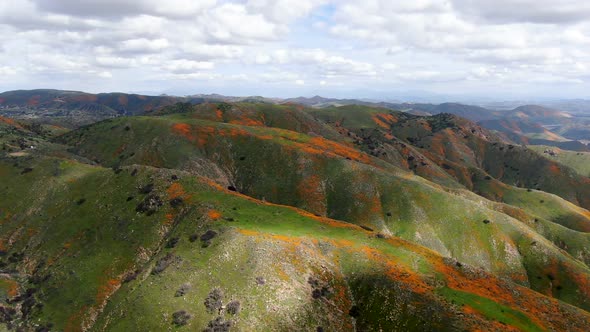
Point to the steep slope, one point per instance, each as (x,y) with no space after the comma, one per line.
(264,217)
(579,161)
(141,266)
(335,180)
(461,147)
(455,146)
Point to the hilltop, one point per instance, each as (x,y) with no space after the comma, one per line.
(526,124)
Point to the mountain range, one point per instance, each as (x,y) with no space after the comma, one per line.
(127,212)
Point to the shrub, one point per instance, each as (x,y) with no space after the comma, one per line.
(367,228)
(218,325)
(260,280)
(131,276)
(163,263)
(146,189)
(176,202)
(172,243)
(7,314)
(26,170)
(150,205)
(207,237)
(180,318)
(44,328)
(210,234)
(233,308)
(213,302)
(182,290)
(354,311)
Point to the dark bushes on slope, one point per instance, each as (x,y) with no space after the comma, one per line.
(233,308)
(180,318)
(146,189)
(260,280)
(172,243)
(354,311)
(207,237)
(182,290)
(163,263)
(367,228)
(213,302)
(26,170)
(150,205)
(131,276)
(176,202)
(218,325)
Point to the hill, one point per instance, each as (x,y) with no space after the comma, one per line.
(74,108)
(236,216)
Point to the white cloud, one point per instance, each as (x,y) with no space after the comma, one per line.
(105,74)
(143,45)
(284,10)
(184,66)
(518,11)
(118,8)
(7,71)
(326,44)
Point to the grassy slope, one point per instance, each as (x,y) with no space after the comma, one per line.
(86,256)
(452,143)
(343,256)
(380,196)
(579,161)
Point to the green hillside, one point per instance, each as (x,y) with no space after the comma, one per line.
(579,161)
(278,218)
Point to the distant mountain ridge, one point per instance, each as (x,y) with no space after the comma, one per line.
(526,124)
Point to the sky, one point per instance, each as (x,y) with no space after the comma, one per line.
(381,49)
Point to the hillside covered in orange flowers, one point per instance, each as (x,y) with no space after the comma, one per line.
(224,216)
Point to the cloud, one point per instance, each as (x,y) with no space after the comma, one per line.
(318,60)
(521,11)
(232,23)
(119,8)
(282,11)
(184,66)
(351,45)
(105,74)
(7,71)
(143,45)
